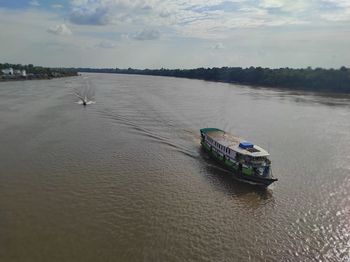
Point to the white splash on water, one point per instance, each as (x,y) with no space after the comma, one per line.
(85,94)
(88,102)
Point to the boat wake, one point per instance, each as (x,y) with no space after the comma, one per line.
(81,102)
(85,94)
(149,133)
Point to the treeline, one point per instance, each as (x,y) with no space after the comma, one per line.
(40,71)
(318,79)
(309,79)
(95,70)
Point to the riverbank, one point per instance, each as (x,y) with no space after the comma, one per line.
(34,77)
(304,79)
(19,72)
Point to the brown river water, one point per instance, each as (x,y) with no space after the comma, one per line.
(125,179)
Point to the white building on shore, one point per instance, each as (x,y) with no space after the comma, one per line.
(7,71)
(20,72)
(11,72)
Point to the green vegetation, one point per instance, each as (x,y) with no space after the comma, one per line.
(319,80)
(38,72)
(308,79)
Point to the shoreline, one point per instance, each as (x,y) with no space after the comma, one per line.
(298,79)
(22,78)
(246,84)
(250,84)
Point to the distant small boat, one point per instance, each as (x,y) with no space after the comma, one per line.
(248,162)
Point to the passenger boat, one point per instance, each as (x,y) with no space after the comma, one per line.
(247,161)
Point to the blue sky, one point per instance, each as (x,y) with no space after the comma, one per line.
(176,34)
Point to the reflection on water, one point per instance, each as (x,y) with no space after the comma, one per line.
(126,179)
(328,99)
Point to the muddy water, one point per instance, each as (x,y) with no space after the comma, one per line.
(125,179)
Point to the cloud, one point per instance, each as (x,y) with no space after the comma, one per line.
(146,34)
(61,29)
(90,16)
(339,3)
(103,12)
(57,6)
(337,16)
(340,11)
(106,44)
(287,5)
(240,32)
(217,46)
(34,3)
(195,18)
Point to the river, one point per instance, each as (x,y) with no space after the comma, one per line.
(125,179)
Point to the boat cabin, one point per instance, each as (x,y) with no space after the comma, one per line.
(235,148)
(249,160)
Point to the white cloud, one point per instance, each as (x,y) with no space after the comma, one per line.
(102,12)
(340,3)
(218,46)
(57,6)
(34,3)
(339,14)
(195,18)
(239,32)
(287,5)
(146,34)
(106,44)
(93,16)
(61,29)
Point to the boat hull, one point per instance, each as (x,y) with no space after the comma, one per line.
(243,175)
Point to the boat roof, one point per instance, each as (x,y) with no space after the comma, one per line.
(233,142)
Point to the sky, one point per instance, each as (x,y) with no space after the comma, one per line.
(176,33)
